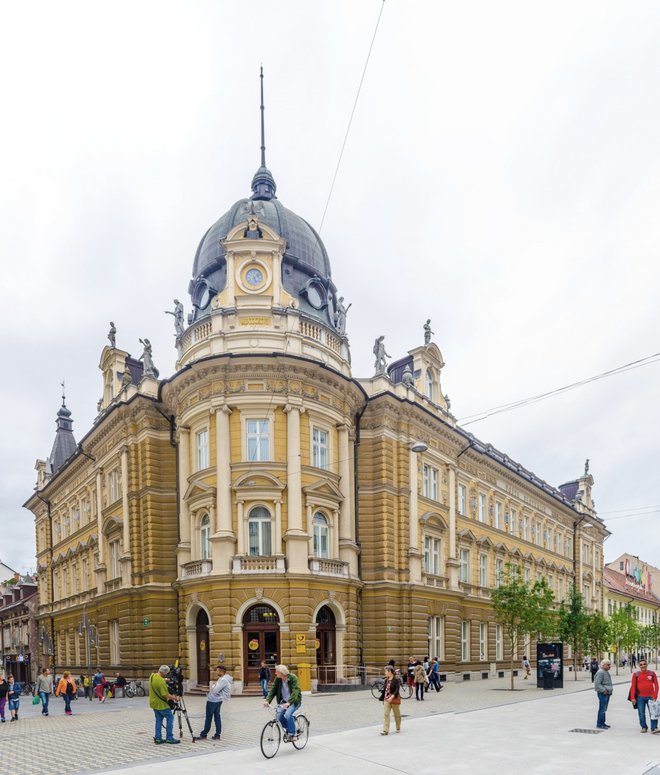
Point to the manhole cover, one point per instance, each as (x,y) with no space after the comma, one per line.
(587,731)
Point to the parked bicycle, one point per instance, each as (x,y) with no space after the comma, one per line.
(405,690)
(28,688)
(134,688)
(272,734)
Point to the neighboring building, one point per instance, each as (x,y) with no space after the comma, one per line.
(262,503)
(638,574)
(7,573)
(18,628)
(631,585)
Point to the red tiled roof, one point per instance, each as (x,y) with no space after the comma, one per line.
(616,582)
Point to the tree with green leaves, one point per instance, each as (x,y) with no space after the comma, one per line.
(521,608)
(597,634)
(623,630)
(651,640)
(573,619)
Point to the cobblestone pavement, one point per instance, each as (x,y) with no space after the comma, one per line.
(119,733)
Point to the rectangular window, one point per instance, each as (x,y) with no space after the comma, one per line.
(76,519)
(499,651)
(114,486)
(462,498)
(527,575)
(74,578)
(512,523)
(483,641)
(114,569)
(430,482)
(258,440)
(465,641)
(524,528)
(482,508)
(483,570)
(560,590)
(113,636)
(499,572)
(432,555)
(499,516)
(436,637)
(319,448)
(85,574)
(202,448)
(86,511)
(464,567)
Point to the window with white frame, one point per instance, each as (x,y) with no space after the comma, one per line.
(499,572)
(113,551)
(114,486)
(202,449)
(321,536)
(483,570)
(75,518)
(483,641)
(436,637)
(113,637)
(499,515)
(258,439)
(560,589)
(430,482)
(465,641)
(429,384)
(65,581)
(432,555)
(512,522)
(259,532)
(464,565)
(462,499)
(205,537)
(527,575)
(319,448)
(84,574)
(86,511)
(482,507)
(499,650)
(524,528)
(74,578)
(57,530)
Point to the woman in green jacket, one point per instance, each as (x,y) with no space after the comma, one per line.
(289,698)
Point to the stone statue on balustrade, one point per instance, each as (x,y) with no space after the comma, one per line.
(381,356)
(178,318)
(112,335)
(147,358)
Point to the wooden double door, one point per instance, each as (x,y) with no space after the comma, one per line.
(261,641)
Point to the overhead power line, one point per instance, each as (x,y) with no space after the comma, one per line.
(350,120)
(479,416)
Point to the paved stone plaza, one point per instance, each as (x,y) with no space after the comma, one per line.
(469,727)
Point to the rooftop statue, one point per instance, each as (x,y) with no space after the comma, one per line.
(407,378)
(126,378)
(340,316)
(149,369)
(112,333)
(427,332)
(381,356)
(178,318)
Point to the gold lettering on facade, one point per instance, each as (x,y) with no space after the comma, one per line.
(254,321)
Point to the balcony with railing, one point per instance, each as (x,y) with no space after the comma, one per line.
(113,584)
(323,567)
(259,564)
(196,568)
(432,580)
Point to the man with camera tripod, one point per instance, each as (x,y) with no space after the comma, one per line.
(158,701)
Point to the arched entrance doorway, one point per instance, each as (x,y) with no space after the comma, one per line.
(326,645)
(261,640)
(202,640)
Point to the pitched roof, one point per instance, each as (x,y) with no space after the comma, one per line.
(624,585)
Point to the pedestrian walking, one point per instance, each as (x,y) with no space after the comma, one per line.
(44,689)
(159,699)
(264,678)
(527,668)
(593,668)
(14,697)
(434,675)
(289,698)
(633,661)
(87,686)
(410,674)
(421,681)
(220,692)
(66,688)
(644,689)
(391,699)
(604,689)
(4,690)
(99,684)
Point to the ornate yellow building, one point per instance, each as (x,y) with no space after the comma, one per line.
(262,503)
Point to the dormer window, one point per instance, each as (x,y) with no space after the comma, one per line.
(429,384)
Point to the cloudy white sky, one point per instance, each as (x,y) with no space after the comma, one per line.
(502,177)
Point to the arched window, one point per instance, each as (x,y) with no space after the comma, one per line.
(321,531)
(259,532)
(205,538)
(429,384)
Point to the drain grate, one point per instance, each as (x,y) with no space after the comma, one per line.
(587,731)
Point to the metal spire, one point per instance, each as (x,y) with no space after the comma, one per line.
(63,393)
(263,134)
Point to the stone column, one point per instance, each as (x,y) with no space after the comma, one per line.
(413,516)
(241,548)
(183,550)
(296,536)
(223,540)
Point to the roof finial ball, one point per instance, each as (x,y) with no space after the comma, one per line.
(427,332)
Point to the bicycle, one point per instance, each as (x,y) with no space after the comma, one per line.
(271,734)
(405,690)
(134,688)
(28,688)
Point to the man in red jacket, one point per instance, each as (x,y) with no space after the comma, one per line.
(643,689)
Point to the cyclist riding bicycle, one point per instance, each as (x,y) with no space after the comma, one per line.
(289,698)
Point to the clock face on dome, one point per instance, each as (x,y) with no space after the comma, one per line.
(254,277)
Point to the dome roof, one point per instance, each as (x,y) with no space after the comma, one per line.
(306,271)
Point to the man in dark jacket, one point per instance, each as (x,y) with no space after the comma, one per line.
(264,678)
(289,698)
